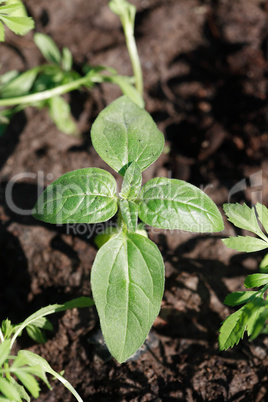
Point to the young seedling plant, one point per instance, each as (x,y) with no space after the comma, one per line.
(253,315)
(18,372)
(127,276)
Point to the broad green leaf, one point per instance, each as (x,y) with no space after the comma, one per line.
(233,328)
(54,308)
(263,215)
(236,298)
(132,182)
(8,389)
(48,48)
(82,196)
(18,25)
(20,85)
(129,211)
(127,282)
(67,59)
(29,382)
(36,334)
(124,133)
(4,351)
(175,204)
(264,264)
(245,244)
(256,280)
(243,217)
(60,114)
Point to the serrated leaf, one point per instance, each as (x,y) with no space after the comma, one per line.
(4,351)
(20,85)
(124,133)
(127,281)
(21,390)
(132,182)
(54,308)
(129,211)
(243,217)
(18,25)
(20,11)
(175,204)
(67,59)
(7,328)
(263,215)
(233,328)
(48,48)
(236,298)
(36,334)
(259,306)
(256,280)
(246,244)
(82,196)
(9,390)
(60,114)
(29,383)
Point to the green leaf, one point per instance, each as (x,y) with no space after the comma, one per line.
(36,334)
(43,323)
(264,264)
(54,308)
(4,351)
(263,215)
(20,85)
(18,25)
(106,235)
(10,8)
(132,182)
(243,217)
(82,196)
(21,390)
(67,59)
(127,281)
(233,328)
(127,88)
(259,306)
(29,382)
(129,211)
(2,32)
(175,204)
(124,133)
(48,48)
(9,390)
(256,280)
(245,244)
(236,298)
(259,324)
(60,114)
(7,328)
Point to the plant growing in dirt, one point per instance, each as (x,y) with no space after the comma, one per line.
(26,365)
(43,86)
(128,273)
(252,316)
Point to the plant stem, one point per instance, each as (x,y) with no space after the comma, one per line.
(43,95)
(133,54)
(1,336)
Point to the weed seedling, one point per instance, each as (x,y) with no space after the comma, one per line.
(254,313)
(128,273)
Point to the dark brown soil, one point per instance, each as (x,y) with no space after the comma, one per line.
(205,75)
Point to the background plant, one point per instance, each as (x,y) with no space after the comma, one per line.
(252,316)
(18,372)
